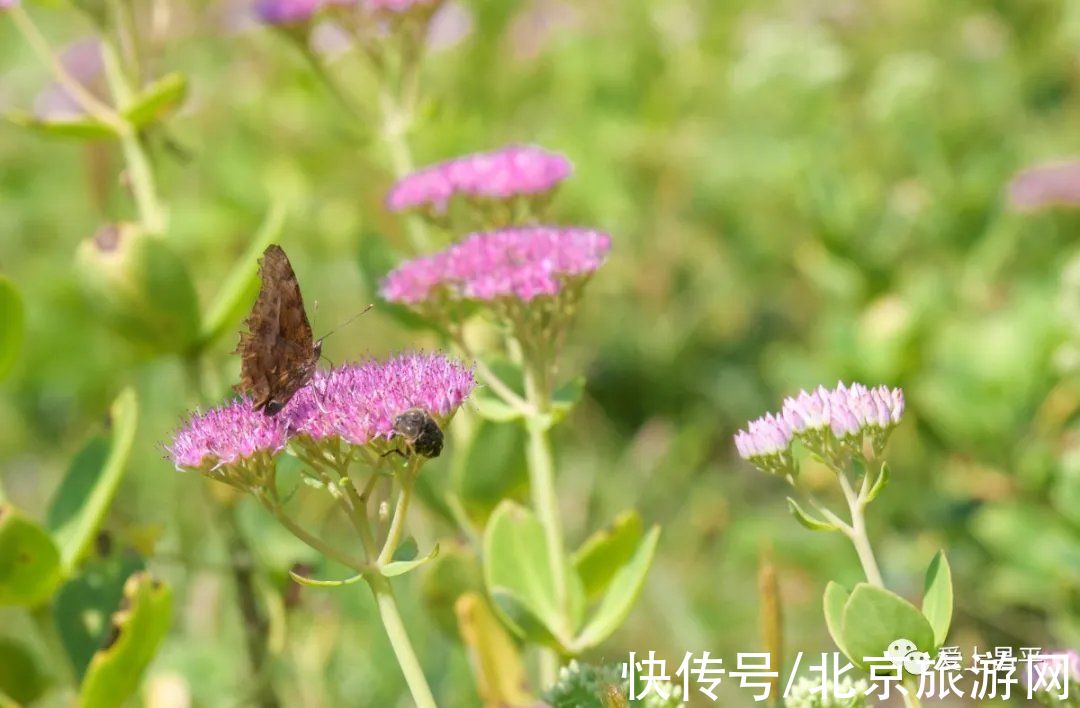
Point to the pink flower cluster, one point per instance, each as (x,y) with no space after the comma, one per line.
(524,262)
(845,411)
(502,174)
(225,435)
(1046,186)
(359,402)
(768,436)
(356,402)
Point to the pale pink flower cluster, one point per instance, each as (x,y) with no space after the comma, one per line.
(226,435)
(502,174)
(847,412)
(524,262)
(1048,185)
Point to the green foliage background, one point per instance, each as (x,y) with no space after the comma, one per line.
(799,192)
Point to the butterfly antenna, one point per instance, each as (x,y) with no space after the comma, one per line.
(348,321)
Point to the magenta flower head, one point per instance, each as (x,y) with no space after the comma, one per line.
(359,403)
(520,263)
(1049,185)
(286,12)
(514,171)
(232,443)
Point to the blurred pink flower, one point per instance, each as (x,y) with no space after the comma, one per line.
(286,12)
(82,61)
(1056,184)
(524,262)
(501,174)
(5,4)
(358,402)
(398,6)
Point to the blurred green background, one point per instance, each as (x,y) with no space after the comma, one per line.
(798,192)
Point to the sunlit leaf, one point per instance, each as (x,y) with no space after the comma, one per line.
(136,630)
(937,604)
(157,100)
(496,661)
(621,595)
(606,551)
(29,560)
(874,618)
(14,329)
(88,488)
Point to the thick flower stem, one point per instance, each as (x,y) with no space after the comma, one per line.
(857,532)
(399,641)
(541,465)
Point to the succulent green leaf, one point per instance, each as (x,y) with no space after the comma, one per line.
(241,285)
(157,100)
(517,571)
(83,605)
(12,314)
(621,595)
(71,128)
(566,397)
(937,604)
(836,598)
(88,488)
(137,629)
(312,582)
(874,618)
(606,551)
(29,560)
(880,483)
(810,522)
(400,567)
(21,676)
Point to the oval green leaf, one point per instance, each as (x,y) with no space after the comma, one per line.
(874,618)
(400,567)
(21,676)
(13,315)
(621,595)
(29,560)
(157,100)
(937,604)
(73,128)
(836,598)
(83,606)
(88,488)
(517,571)
(606,551)
(810,522)
(137,629)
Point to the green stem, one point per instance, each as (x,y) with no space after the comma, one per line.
(401,510)
(314,541)
(857,532)
(139,171)
(86,100)
(394,126)
(541,464)
(399,641)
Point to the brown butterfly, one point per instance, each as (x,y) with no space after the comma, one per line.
(278,352)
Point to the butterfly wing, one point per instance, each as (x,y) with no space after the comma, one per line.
(278,352)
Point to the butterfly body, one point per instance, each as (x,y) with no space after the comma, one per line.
(278,351)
